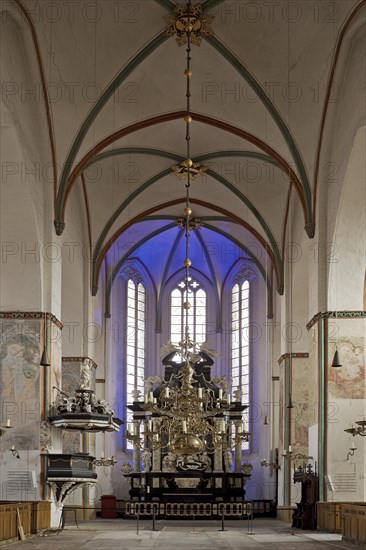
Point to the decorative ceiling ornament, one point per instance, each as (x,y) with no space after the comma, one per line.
(193,223)
(195,169)
(189,18)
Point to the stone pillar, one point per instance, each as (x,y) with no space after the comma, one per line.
(136,446)
(218,451)
(156,454)
(238,445)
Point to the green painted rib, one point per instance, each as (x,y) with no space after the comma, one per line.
(256,214)
(165,278)
(242,247)
(166,270)
(120,209)
(135,151)
(238,153)
(177,158)
(282,126)
(137,245)
(128,254)
(210,4)
(213,278)
(167,5)
(95,110)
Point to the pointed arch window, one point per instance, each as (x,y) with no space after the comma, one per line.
(240,343)
(196,314)
(136,337)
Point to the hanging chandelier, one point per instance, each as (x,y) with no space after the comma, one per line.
(188,414)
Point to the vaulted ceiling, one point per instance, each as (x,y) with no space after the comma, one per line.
(260,88)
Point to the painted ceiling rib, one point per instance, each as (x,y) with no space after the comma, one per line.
(162,174)
(97,265)
(177,240)
(276,116)
(238,153)
(336,51)
(93,113)
(213,278)
(210,4)
(252,209)
(126,256)
(167,5)
(44,87)
(242,247)
(167,117)
(122,207)
(220,179)
(165,277)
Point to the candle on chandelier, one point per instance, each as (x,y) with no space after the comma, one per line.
(151,396)
(289,449)
(135,429)
(129,428)
(239,428)
(8,423)
(200,393)
(167,392)
(184,426)
(149,425)
(146,398)
(228,398)
(220,393)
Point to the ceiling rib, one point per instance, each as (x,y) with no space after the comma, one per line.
(219,178)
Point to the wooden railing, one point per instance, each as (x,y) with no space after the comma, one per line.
(329,515)
(354,524)
(34,516)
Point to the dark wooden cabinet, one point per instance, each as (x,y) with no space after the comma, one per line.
(304,517)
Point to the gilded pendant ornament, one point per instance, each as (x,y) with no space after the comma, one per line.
(191,20)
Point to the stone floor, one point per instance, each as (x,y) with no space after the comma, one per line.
(102,534)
